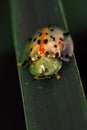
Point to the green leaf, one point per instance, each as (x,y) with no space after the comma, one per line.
(49,104)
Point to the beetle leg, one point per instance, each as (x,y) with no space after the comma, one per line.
(36,77)
(19,64)
(58,76)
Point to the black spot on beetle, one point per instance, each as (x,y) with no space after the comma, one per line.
(31,48)
(52,29)
(34,39)
(53,38)
(46,53)
(61,39)
(45,41)
(40,34)
(55,46)
(56,55)
(38,41)
(46,33)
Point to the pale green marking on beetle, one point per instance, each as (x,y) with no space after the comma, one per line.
(45,67)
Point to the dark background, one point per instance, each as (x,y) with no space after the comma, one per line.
(12,117)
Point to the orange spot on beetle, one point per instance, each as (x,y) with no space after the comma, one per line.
(42,48)
(59,43)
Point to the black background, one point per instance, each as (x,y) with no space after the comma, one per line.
(12,117)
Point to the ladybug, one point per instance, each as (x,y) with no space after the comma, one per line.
(46,50)
(51,42)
